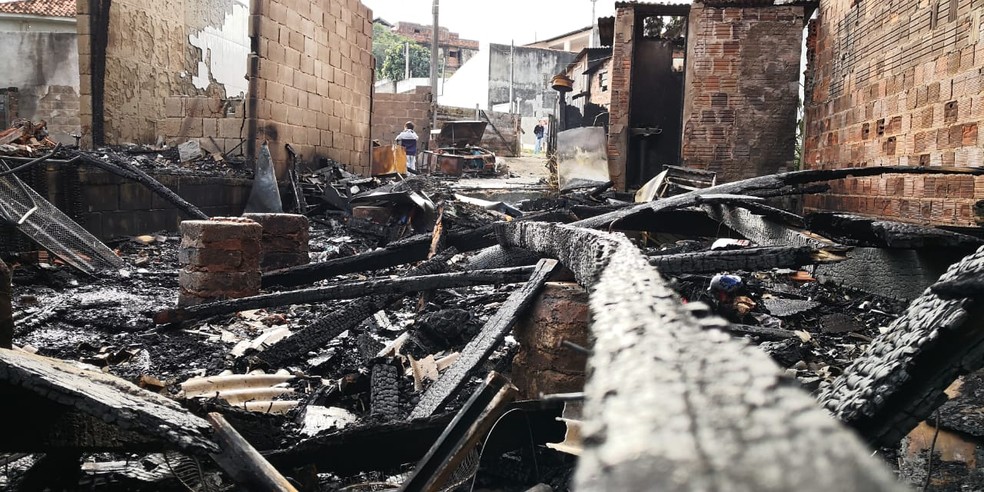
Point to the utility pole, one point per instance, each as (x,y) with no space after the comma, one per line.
(434,42)
(594,20)
(406,57)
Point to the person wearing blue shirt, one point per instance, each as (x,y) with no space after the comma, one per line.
(408,139)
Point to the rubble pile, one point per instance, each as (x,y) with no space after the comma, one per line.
(420,338)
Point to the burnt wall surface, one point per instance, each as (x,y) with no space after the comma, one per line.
(502,134)
(897,83)
(742,89)
(532,69)
(390,112)
(314,80)
(109,206)
(44,68)
(171,70)
(618,126)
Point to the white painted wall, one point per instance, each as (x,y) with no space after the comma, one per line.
(34,23)
(225,52)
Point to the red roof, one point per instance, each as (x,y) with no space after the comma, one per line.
(45,8)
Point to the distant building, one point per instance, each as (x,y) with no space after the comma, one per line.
(39,65)
(574,41)
(451,48)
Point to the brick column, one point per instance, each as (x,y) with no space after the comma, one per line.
(220,259)
(284,242)
(6,312)
(543,364)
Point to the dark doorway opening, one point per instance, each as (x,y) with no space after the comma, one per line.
(657,88)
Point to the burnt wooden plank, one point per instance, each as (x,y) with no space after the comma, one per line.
(479,348)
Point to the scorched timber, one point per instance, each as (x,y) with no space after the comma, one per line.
(128,171)
(91,410)
(761,184)
(751,259)
(863,231)
(900,378)
(412,249)
(479,349)
(242,462)
(327,328)
(350,290)
(415,248)
(671,405)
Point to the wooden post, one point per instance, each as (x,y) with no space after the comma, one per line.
(6,311)
(243,462)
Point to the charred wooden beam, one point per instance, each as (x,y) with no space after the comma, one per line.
(409,250)
(971,287)
(384,392)
(900,378)
(673,405)
(132,172)
(327,328)
(750,259)
(348,290)
(242,462)
(864,231)
(401,252)
(62,406)
(470,425)
(6,308)
(896,273)
(762,184)
(357,449)
(479,348)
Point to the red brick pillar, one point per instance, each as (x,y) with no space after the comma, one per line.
(6,311)
(544,364)
(284,242)
(220,259)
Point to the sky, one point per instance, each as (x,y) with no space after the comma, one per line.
(497,21)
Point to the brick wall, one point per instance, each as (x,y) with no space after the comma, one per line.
(621,78)
(502,134)
(742,89)
(314,80)
(897,84)
(390,112)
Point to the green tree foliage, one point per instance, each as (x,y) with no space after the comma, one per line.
(394,64)
(388,49)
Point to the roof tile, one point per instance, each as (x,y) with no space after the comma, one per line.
(44,8)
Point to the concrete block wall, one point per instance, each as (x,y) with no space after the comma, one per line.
(897,84)
(314,79)
(505,139)
(390,112)
(741,89)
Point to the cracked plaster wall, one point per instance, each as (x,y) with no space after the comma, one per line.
(170,68)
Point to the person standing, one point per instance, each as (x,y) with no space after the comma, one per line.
(538,132)
(408,139)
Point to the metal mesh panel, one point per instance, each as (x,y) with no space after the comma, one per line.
(53,230)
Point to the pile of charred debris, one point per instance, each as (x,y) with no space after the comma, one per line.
(440,341)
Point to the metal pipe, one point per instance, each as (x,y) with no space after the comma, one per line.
(406,59)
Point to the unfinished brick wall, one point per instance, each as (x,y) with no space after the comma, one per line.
(621,77)
(390,112)
(314,79)
(152,84)
(897,84)
(742,89)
